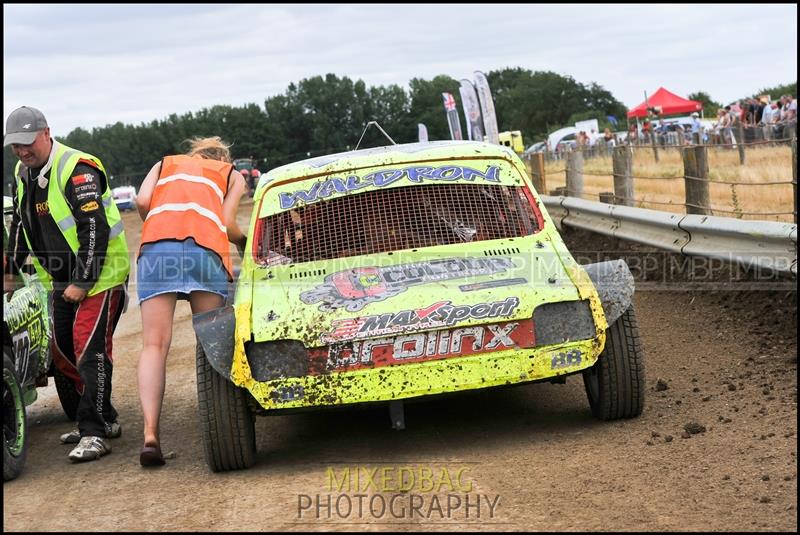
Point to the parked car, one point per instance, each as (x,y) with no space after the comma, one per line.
(26,360)
(124,197)
(541,146)
(568,143)
(393,273)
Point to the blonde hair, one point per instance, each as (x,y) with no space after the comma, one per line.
(212,148)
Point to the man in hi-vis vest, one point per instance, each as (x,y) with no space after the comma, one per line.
(66,219)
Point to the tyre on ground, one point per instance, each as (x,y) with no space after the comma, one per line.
(615,384)
(226,421)
(15,446)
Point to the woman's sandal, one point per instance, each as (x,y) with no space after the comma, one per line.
(151,455)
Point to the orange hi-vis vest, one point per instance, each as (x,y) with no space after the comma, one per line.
(187,203)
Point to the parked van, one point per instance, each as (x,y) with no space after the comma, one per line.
(512,139)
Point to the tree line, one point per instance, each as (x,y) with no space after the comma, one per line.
(322,115)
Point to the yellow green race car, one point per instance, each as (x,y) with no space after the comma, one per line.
(404,271)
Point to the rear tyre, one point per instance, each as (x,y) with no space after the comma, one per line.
(15,446)
(226,422)
(67,394)
(615,384)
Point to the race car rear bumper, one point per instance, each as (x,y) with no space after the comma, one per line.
(426,378)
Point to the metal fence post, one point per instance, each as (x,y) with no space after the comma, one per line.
(575,173)
(622,162)
(653,142)
(794,173)
(695,166)
(740,136)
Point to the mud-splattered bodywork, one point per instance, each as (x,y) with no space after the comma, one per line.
(461,306)
(26,325)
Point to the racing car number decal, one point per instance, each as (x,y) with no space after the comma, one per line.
(353,289)
(424,346)
(384,177)
(565,359)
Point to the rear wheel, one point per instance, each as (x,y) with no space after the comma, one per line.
(15,446)
(226,422)
(67,393)
(615,384)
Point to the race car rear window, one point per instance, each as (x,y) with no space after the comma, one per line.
(394,219)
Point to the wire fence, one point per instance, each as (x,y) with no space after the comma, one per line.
(696,194)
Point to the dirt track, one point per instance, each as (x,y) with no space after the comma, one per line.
(714,358)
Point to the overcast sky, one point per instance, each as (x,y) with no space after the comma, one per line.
(93,65)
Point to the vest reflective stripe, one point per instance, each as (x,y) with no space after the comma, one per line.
(69,221)
(183,207)
(192,178)
(63,159)
(187,202)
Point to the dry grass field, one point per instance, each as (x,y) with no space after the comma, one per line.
(752,199)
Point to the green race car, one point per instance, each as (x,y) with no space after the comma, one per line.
(404,271)
(26,359)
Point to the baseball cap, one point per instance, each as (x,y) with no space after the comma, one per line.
(23,125)
(695,114)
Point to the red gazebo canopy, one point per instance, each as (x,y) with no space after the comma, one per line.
(669,104)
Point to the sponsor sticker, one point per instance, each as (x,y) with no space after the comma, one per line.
(81,179)
(90,186)
(384,177)
(42,208)
(89,206)
(432,345)
(491,284)
(354,289)
(437,315)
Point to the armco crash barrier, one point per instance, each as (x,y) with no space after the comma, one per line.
(766,244)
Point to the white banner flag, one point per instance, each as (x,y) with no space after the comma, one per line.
(487,107)
(472,110)
(423,133)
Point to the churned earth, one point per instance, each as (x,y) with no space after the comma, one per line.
(715,448)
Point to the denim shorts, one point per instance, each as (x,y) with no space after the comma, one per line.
(182,267)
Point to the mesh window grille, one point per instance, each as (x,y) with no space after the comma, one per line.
(395,219)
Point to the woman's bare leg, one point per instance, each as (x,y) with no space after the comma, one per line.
(157,317)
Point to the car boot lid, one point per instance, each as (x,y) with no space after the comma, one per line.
(382,294)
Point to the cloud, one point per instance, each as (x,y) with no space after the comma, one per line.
(141,62)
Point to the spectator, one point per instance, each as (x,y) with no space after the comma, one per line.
(766,113)
(593,137)
(633,134)
(680,134)
(697,126)
(646,130)
(762,105)
(721,125)
(783,108)
(791,104)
